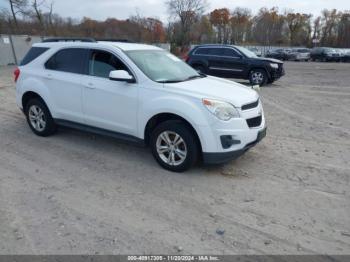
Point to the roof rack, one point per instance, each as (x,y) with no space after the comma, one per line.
(114,40)
(69,39)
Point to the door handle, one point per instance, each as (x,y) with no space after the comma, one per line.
(90,86)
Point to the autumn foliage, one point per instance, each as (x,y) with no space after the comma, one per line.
(188,23)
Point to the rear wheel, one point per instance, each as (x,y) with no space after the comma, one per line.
(258,77)
(174,146)
(39,118)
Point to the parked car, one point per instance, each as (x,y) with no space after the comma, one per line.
(345,55)
(256,51)
(139,93)
(299,54)
(325,54)
(235,62)
(281,53)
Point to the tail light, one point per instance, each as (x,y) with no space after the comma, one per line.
(186,57)
(16,73)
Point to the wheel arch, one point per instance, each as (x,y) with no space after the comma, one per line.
(33,88)
(27,96)
(159,118)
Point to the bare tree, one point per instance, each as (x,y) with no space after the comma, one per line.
(330,21)
(298,25)
(37,11)
(240,25)
(344,30)
(220,18)
(50,20)
(316,31)
(16,7)
(188,12)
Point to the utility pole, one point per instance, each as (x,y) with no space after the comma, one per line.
(13,50)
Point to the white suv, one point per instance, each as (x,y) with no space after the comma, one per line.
(140,93)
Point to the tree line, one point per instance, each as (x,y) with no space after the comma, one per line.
(188,24)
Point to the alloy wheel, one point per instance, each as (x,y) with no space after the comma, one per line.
(37,118)
(257,77)
(171,148)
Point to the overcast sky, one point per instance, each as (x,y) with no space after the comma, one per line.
(102,9)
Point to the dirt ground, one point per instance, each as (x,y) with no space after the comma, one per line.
(77,193)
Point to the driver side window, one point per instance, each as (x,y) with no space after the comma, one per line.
(230,52)
(101,63)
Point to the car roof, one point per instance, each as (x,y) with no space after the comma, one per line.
(214,46)
(121,45)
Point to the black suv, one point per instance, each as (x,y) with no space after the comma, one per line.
(281,54)
(325,54)
(234,62)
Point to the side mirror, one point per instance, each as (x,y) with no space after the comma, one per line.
(122,76)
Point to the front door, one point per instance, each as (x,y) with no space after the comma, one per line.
(234,63)
(107,104)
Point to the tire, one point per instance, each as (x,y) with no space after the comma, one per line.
(258,77)
(175,131)
(200,69)
(39,118)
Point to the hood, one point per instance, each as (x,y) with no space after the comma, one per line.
(216,88)
(272,60)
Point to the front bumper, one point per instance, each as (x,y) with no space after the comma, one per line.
(333,58)
(277,73)
(223,157)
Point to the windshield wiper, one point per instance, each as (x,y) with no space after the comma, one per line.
(195,76)
(169,81)
(182,80)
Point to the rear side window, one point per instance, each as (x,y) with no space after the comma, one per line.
(210,51)
(71,60)
(32,54)
(202,51)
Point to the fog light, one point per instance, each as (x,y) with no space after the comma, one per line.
(227,141)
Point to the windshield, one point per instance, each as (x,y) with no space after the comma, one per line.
(330,51)
(246,52)
(302,50)
(161,66)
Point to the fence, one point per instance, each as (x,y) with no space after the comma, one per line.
(14,47)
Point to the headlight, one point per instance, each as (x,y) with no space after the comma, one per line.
(275,66)
(222,110)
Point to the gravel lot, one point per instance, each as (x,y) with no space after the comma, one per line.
(77,193)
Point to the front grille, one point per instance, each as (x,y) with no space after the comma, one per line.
(280,68)
(254,122)
(251,105)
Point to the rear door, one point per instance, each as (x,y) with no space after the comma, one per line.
(216,63)
(64,76)
(107,104)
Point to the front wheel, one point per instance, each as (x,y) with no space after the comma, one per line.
(174,146)
(258,77)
